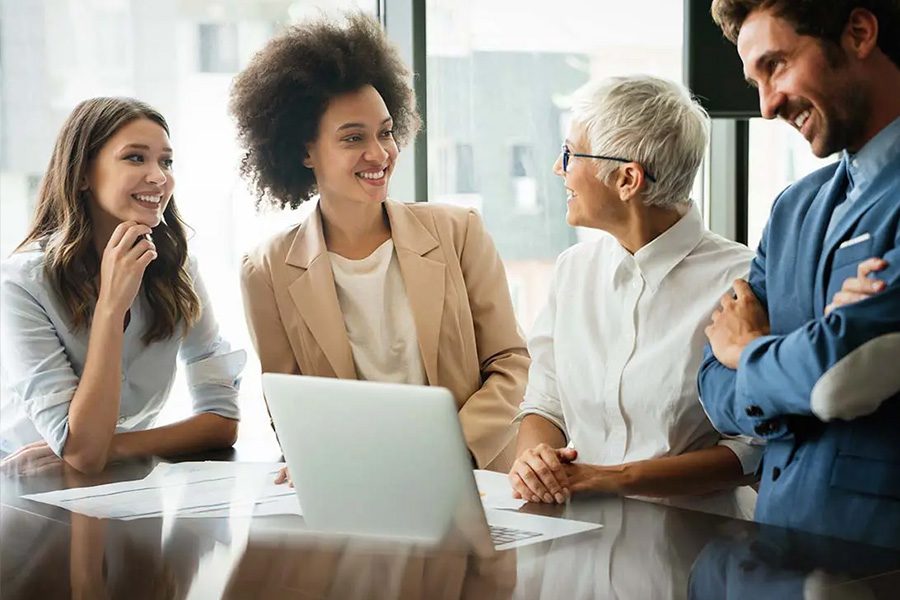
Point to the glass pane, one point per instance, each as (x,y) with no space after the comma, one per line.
(779,156)
(500,75)
(180,56)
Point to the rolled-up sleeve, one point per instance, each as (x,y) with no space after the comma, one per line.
(748,450)
(36,369)
(542,393)
(213,370)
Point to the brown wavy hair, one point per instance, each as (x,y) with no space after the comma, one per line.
(279,99)
(62,225)
(822,19)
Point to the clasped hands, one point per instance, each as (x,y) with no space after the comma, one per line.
(551,475)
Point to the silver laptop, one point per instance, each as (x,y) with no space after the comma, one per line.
(389,461)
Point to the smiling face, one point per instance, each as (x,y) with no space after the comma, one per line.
(131,178)
(590,202)
(354,154)
(814,90)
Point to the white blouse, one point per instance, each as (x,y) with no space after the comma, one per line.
(616,351)
(378,317)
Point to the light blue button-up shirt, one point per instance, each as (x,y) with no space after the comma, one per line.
(864,166)
(42,359)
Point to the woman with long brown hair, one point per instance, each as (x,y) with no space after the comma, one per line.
(100,298)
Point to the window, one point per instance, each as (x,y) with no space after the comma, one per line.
(55,54)
(524,183)
(465,169)
(499,76)
(779,156)
(218,47)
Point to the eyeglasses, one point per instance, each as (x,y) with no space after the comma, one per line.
(566,154)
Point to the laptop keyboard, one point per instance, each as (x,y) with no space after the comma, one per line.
(505,535)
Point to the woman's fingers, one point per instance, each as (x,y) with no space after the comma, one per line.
(520,488)
(549,469)
(284,476)
(118,232)
(538,474)
(27,458)
(140,250)
(45,464)
(131,235)
(15,456)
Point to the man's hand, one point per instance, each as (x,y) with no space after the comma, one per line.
(538,475)
(740,320)
(859,287)
(31,459)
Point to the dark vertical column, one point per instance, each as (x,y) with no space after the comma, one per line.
(420,69)
(741,179)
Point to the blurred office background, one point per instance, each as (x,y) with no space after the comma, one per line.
(497,81)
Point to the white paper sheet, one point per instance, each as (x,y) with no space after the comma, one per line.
(496,491)
(190,489)
(214,489)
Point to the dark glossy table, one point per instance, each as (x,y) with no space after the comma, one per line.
(644,551)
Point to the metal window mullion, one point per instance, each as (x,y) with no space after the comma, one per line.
(404,21)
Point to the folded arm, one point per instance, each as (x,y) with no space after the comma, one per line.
(833,367)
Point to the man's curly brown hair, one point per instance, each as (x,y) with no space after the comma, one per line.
(279,99)
(823,19)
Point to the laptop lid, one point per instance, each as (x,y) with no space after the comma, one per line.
(376,459)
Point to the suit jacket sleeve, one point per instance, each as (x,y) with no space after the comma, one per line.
(830,368)
(487,415)
(718,383)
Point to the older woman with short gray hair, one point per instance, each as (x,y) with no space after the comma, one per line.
(611,404)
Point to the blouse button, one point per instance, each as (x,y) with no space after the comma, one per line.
(121,420)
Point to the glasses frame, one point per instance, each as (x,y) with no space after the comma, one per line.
(567,154)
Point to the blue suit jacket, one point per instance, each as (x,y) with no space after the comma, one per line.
(824,392)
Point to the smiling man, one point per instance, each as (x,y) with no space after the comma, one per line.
(805,354)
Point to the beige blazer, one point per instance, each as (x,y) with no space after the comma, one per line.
(457,289)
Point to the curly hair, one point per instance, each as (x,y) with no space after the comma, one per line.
(62,225)
(823,19)
(279,99)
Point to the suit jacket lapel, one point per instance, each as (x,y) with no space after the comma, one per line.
(886,181)
(315,296)
(826,200)
(423,276)
(878,189)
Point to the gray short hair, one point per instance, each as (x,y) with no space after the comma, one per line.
(652,121)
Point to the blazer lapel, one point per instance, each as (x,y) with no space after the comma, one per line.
(885,182)
(423,276)
(315,296)
(824,205)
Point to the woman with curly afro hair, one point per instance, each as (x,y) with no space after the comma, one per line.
(367,287)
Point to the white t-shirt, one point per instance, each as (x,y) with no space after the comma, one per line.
(378,317)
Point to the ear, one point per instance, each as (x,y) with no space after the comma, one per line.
(84,184)
(629,181)
(860,35)
(307,161)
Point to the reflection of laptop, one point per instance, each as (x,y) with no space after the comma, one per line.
(389,460)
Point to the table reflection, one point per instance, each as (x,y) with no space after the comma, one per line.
(643,551)
(352,568)
(779,563)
